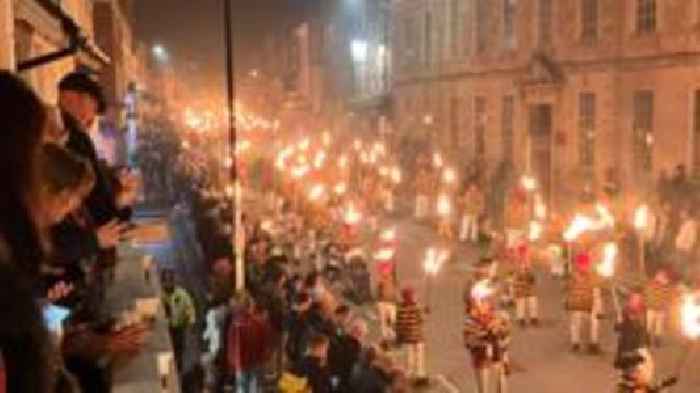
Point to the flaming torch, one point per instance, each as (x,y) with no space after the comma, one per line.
(578,226)
(481,290)
(340,189)
(690,324)
(535,232)
(444,206)
(396,175)
(316,192)
(352,215)
(449,176)
(434,259)
(641,222)
(437,160)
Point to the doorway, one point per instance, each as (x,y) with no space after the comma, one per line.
(541,147)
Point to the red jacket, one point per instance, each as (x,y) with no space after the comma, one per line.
(249,342)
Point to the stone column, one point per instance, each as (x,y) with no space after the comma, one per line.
(7,35)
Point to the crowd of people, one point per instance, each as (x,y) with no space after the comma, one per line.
(64,212)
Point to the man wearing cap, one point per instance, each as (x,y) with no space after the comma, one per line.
(81,100)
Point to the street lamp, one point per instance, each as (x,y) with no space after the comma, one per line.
(358,49)
(160,53)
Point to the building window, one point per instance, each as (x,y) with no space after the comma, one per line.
(509,38)
(696,133)
(589,20)
(455,26)
(482,25)
(508,125)
(646,16)
(480,128)
(643,132)
(545,22)
(428,38)
(586,128)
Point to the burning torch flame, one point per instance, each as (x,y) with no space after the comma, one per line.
(396,175)
(304,144)
(449,176)
(341,188)
(579,225)
(352,216)
(300,171)
(380,148)
(481,290)
(535,231)
(316,192)
(641,217)
(437,160)
(529,183)
(320,158)
(690,315)
(606,268)
(388,235)
(434,260)
(540,211)
(383,171)
(605,216)
(384,254)
(326,137)
(343,161)
(357,144)
(444,207)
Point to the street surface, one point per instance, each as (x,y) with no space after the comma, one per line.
(542,359)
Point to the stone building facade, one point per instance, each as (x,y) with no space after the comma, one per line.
(575,92)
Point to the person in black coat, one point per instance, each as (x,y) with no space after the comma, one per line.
(314,366)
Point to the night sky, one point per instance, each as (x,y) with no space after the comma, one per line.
(192,31)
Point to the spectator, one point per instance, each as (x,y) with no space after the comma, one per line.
(409,332)
(24,343)
(248,345)
(179,309)
(314,366)
(685,243)
(300,330)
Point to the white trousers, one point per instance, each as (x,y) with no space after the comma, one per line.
(513,237)
(415,354)
(656,321)
(492,379)
(387,319)
(469,228)
(527,308)
(577,320)
(422,202)
(389,202)
(598,305)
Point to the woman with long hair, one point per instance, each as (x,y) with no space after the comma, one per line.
(24,342)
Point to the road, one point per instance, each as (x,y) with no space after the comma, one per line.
(541,356)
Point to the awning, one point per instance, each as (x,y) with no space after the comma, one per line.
(55,24)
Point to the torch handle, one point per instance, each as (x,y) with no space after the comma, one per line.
(616,302)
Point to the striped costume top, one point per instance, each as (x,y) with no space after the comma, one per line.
(659,297)
(409,324)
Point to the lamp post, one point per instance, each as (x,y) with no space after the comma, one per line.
(238,231)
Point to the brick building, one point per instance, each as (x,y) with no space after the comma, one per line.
(574,91)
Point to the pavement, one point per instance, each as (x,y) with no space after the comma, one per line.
(542,361)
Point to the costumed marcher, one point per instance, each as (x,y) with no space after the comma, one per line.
(580,304)
(487,337)
(473,206)
(633,339)
(386,306)
(409,334)
(422,192)
(659,295)
(516,217)
(524,284)
(444,213)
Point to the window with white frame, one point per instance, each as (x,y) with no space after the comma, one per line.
(508,127)
(509,25)
(589,20)
(482,24)
(480,127)
(646,16)
(696,133)
(587,133)
(643,130)
(428,37)
(544,22)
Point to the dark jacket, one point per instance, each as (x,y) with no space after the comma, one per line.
(317,375)
(101,202)
(343,355)
(248,343)
(632,337)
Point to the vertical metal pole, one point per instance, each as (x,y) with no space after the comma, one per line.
(238,240)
